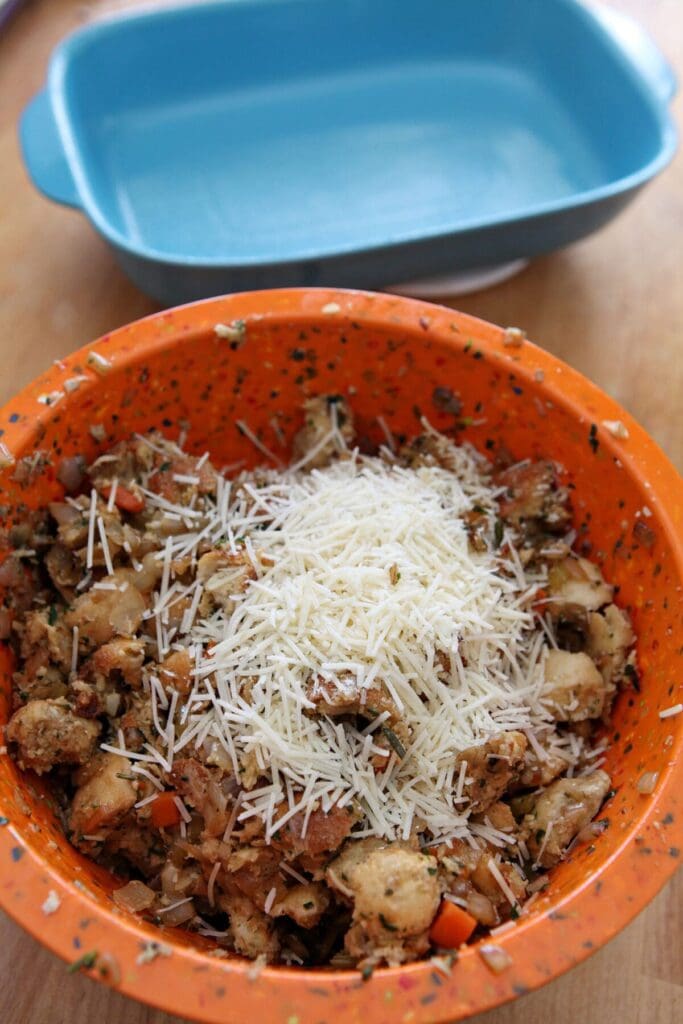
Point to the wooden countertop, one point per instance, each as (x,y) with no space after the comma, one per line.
(612,306)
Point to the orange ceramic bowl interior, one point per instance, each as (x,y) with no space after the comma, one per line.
(398,359)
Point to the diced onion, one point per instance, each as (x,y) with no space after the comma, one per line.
(71,473)
(480,906)
(495,958)
(134,896)
(591,830)
(180,914)
(111,704)
(647,782)
(62,513)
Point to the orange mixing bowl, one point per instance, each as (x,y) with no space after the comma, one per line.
(399,359)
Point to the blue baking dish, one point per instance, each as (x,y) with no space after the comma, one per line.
(257,143)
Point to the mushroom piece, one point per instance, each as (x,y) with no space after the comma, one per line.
(574,689)
(491,767)
(560,812)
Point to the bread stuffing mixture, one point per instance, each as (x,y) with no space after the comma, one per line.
(341,712)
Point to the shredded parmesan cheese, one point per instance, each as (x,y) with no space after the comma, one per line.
(248,432)
(507,926)
(73,383)
(357,575)
(74,651)
(270,899)
(504,887)
(6,457)
(51,398)
(99,363)
(212,881)
(91,529)
(173,906)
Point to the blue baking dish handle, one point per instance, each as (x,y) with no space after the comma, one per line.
(640,48)
(43,152)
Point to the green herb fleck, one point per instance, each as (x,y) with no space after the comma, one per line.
(498,533)
(631,674)
(3,821)
(164,467)
(514,913)
(468,346)
(394,741)
(52,615)
(84,962)
(432,871)
(387,924)
(366,973)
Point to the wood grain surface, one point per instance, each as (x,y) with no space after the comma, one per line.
(612,306)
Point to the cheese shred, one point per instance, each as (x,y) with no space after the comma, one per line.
(361,575)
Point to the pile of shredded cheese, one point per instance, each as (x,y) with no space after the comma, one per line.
(364,573)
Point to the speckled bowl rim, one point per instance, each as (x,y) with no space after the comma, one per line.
(191,983)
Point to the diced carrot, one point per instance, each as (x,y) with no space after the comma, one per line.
(124,499)
(452,926)
(165,811)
